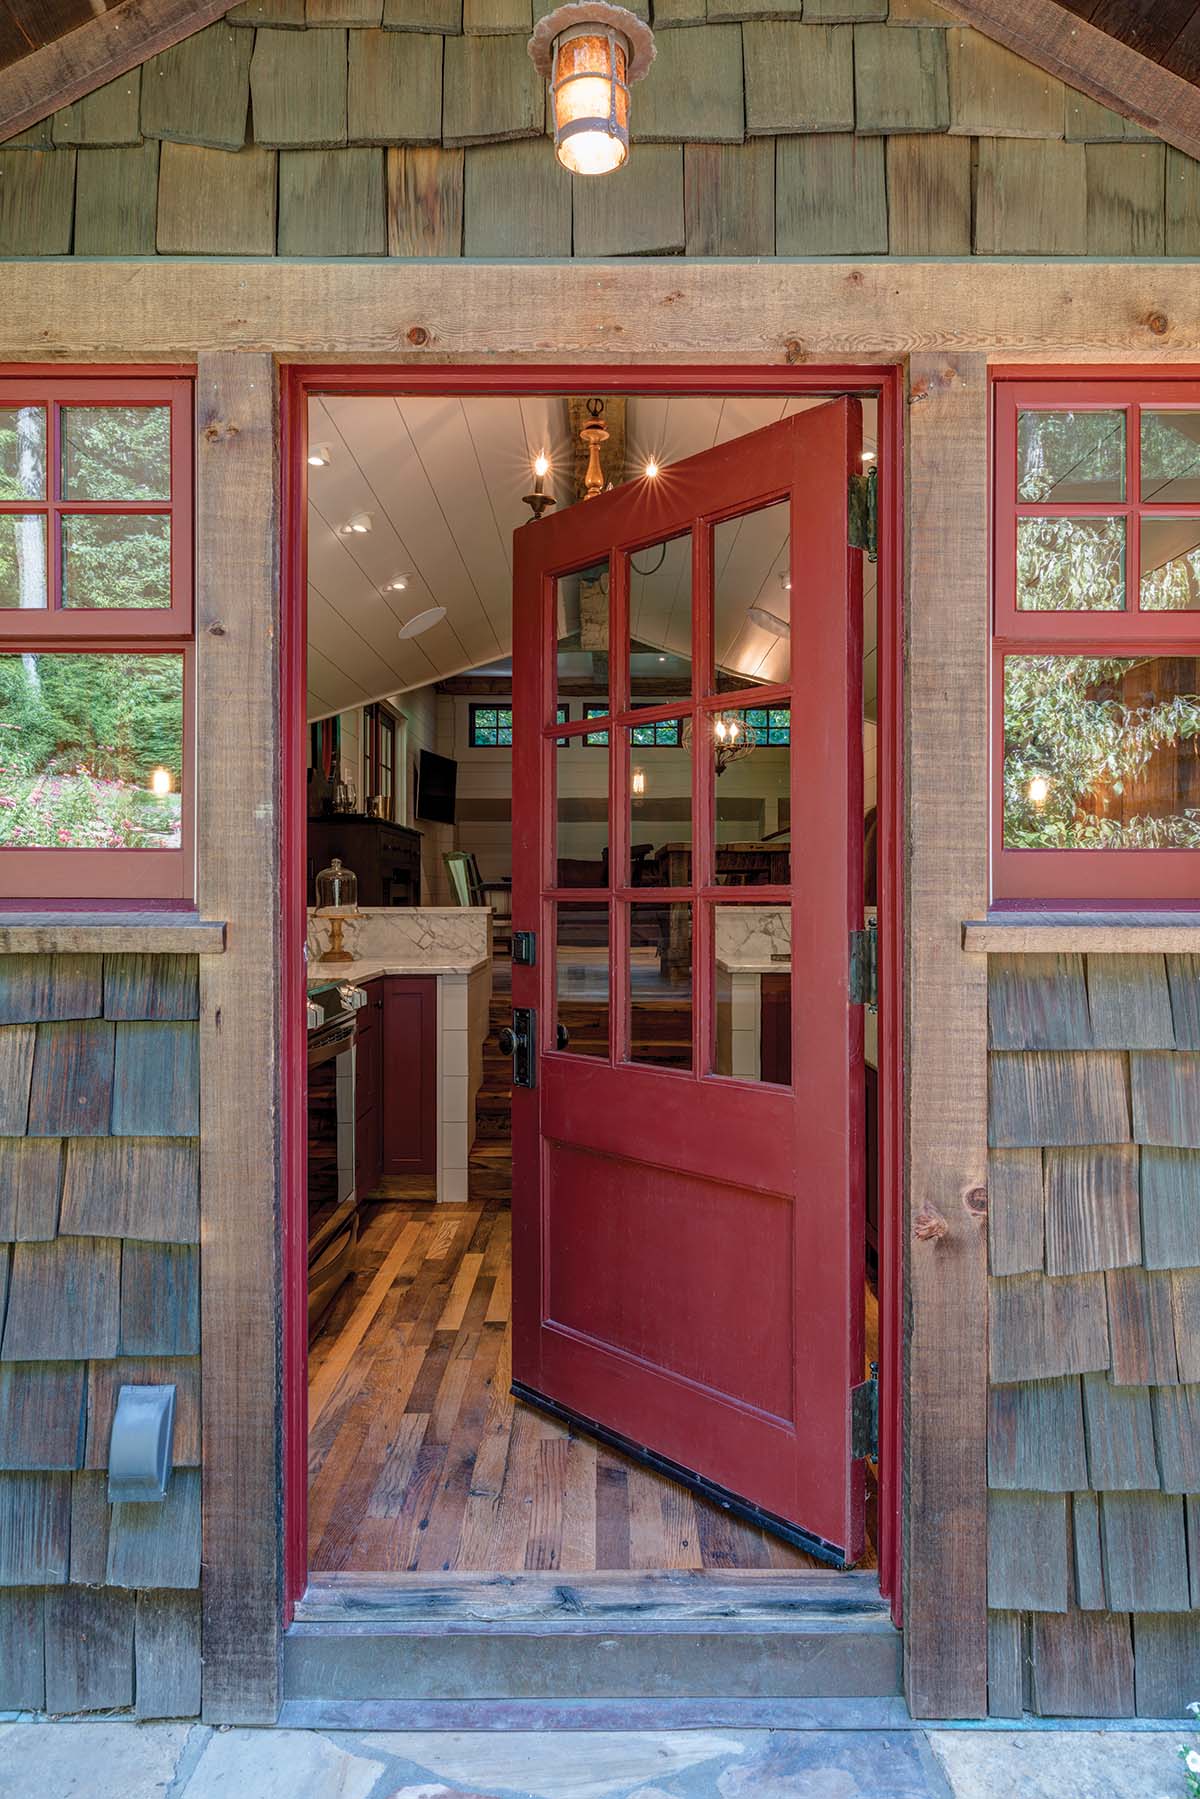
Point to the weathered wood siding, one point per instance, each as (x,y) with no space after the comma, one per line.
(1094,1331)
(99,1286)
(418,129)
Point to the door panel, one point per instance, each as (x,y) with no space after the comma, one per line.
(688,1246)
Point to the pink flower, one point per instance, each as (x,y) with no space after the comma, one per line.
(7,802)
(64,836)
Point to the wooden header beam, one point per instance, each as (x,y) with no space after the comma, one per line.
(1087,58)
(94,53)
(425,314)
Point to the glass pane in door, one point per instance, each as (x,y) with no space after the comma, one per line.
(582,635)
(581,815)
(751,751)
(660,622)
(752,595)
(581,986)
(660,804)
(660,984)
(752,955)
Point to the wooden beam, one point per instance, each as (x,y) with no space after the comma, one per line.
(1085,57)
(945,720)
(237,635)
(95,53)
(417,313)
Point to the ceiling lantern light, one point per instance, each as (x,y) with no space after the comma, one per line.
(591,53)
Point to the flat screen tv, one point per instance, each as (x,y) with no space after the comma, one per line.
(437,778)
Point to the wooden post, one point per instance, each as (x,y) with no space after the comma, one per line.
(945,1556)
(237,780)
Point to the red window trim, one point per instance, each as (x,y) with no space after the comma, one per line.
(1087,878)
(53,877)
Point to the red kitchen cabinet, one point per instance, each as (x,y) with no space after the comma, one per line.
(409,1075)
(368,1113)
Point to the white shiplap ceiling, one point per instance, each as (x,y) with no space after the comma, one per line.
(442,480)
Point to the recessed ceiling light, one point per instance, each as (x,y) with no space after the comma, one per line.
(424,621)
(868,455)
(651,469)
(785,581)
(397,585)
(319,456)
(356,526)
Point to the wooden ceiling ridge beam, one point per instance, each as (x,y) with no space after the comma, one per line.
(1089,59)
(96,52)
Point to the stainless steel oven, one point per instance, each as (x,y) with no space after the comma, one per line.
(332,1199)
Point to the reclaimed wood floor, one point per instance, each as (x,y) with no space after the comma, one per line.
(419,1458)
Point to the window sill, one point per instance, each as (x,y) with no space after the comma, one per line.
(110,933)
(1089,933)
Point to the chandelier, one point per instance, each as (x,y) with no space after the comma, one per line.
(732,738)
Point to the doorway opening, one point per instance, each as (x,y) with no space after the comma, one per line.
(417,1459)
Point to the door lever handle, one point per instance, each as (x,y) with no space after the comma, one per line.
(518,1040)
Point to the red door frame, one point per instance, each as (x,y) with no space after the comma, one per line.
(299,382)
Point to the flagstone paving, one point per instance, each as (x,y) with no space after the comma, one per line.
(118,1759)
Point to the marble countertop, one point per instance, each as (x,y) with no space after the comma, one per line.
(358,972)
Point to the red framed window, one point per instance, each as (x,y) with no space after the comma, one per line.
(1096,663)
(96,675)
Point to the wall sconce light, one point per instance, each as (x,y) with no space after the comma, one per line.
(591,53)
(637,783)
(539,500)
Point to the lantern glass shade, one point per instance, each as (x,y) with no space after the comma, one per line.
(590,92)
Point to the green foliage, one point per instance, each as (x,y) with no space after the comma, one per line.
(1070,564)
(1066,724)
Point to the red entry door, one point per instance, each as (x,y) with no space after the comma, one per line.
(687,1192)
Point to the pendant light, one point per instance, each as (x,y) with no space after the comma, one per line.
(590,53)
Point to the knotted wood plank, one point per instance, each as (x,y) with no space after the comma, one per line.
(1120,1437)
(64,1300)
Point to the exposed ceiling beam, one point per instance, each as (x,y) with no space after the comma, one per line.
(96,52)
(1087,58)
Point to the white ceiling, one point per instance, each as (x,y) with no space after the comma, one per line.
(442,480)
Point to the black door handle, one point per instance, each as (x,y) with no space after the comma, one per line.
(518,1040)
(562,1036)
(508,1041)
